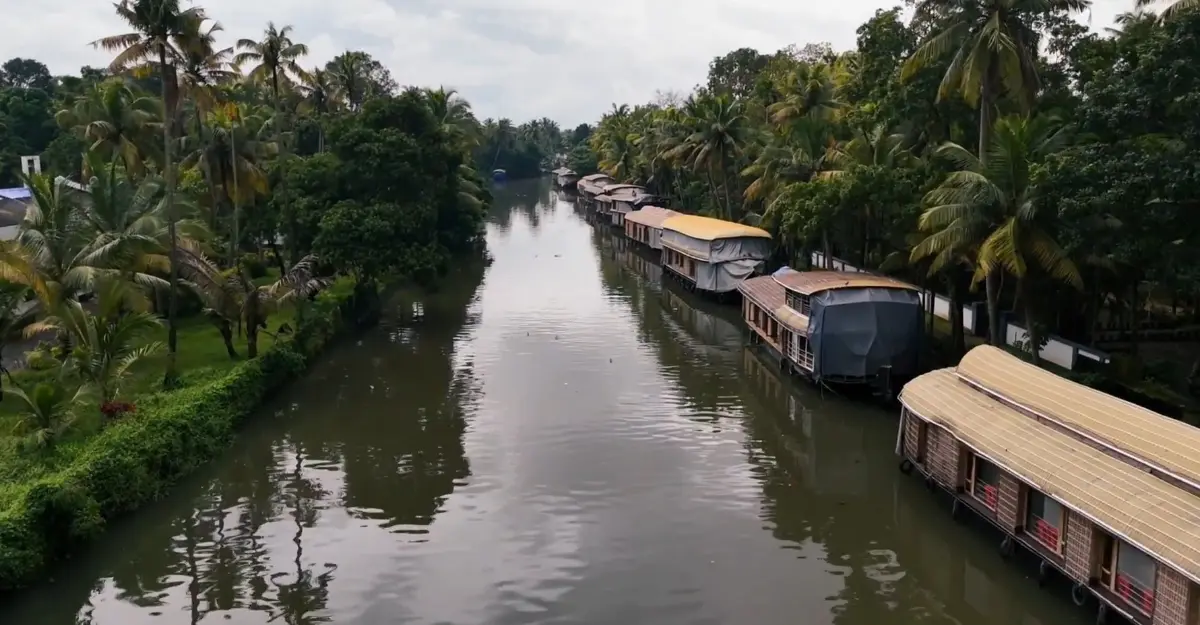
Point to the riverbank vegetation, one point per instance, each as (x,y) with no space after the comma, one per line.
(996,151)
(207,220)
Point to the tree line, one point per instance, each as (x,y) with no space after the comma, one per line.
(981,148)
(187,179)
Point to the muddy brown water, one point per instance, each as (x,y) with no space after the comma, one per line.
(556,438)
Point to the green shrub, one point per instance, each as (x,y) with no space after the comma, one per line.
(41,358)
(138,458)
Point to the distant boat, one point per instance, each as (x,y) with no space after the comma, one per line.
(499,175)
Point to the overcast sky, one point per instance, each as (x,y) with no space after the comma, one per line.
(511,58)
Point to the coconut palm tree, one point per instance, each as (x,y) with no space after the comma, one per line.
(107,342)
(54,237)
(990,210)
(160,30)
(203,68)
(809,91)
(1173,8)
(275,60)
(127,222)
(234,298)
(719,131)
(454,113)
(47,410)
(994,47)
(117,121)
(232,150)
(321,96)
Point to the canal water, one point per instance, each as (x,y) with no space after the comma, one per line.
(555,438)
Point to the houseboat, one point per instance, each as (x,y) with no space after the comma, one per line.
(565,178)
(1120,533)
(838,327)
(602,208)
(712,255)
(623,199)
(645,225)
(1162,446)
(773,324)
(592,185)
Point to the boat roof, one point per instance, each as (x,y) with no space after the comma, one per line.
(1170,445)
(709,229)
(604,197)
(1152,515)
(614,188)
(769,294)
(809,282)
(652,216)
(596,177)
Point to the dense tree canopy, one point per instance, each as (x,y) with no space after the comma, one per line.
(986,149)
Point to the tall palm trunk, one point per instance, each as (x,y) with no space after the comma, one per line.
(992,284)
(169,174)
(209,175)
(725,184)
(235,228)
(1031,331)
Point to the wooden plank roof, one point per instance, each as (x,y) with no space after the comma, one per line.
(1162,442)
(709,229)
(809,282)
(1147,512)
(769,295)
(651,216)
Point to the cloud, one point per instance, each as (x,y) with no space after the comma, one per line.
(519,59)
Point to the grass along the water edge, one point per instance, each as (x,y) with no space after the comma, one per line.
(201,359)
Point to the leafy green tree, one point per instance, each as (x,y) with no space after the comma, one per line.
(991,210)
(360,77)
(26,74)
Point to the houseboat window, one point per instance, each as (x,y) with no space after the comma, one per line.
(983,481)
(1044,520)
(799,303)
(1135,577)
(1128,572)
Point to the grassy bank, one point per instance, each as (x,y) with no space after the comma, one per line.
(51,503)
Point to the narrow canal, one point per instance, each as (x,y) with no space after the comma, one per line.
(557,438)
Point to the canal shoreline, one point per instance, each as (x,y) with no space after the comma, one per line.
(138,460)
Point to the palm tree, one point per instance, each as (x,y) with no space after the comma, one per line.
(990,210)
(231,150)
(808,92)
(46,411)
(454,113)
(719,130)
(127,227)
(995,53)
(276,64)
(870,148)
(203,69)
(117,120)
(55,237)
(160,31)
(108,342)
(350,72)
(231,298)
(322,97)
(1175,8)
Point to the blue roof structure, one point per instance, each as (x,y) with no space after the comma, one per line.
(16,193)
